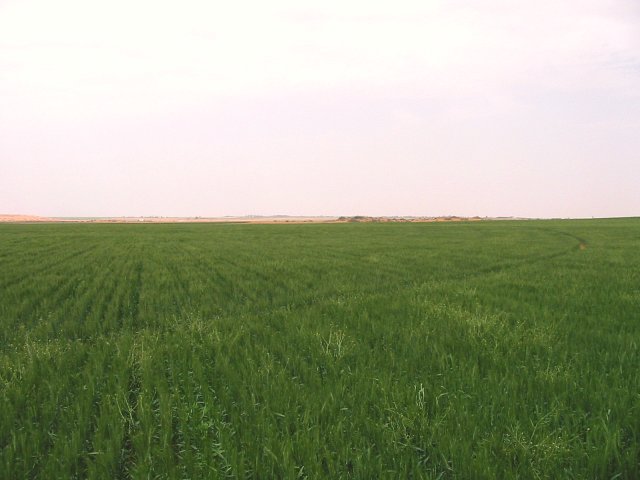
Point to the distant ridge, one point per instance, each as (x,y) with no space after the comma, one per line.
(264,219)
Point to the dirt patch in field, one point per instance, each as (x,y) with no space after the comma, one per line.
(24,218)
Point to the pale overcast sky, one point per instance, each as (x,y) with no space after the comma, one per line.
(181,108)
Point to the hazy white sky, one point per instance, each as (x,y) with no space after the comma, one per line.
(496,107)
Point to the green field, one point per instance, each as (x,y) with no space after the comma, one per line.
(452,350)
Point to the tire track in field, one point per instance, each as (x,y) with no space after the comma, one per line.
(528,260)
(581,240)
(506,266)
(210,274)
(206,265)
(395,289)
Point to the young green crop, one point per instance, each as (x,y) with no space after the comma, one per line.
(453,350)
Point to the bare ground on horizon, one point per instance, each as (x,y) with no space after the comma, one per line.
(276,219)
